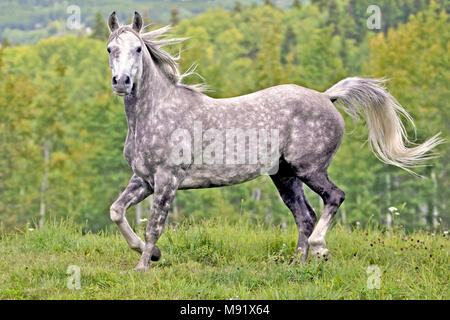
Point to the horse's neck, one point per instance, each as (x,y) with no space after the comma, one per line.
(148,95)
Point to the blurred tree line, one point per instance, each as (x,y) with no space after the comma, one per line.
(62,130)
(28,21)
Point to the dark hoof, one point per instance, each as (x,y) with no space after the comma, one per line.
(296,261)
(156,254)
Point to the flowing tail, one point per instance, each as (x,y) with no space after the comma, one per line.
(387,134)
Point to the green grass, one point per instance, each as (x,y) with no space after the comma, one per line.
(216,259)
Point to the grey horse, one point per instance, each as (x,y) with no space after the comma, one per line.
(286,131)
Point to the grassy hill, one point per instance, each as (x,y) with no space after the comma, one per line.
(217,259)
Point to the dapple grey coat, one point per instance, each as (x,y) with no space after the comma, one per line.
(299,130)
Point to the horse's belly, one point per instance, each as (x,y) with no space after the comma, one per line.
(218,176)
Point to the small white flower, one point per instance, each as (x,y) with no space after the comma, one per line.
(30,229)
(392,209)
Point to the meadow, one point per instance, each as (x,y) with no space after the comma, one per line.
(220,259)
(62,133)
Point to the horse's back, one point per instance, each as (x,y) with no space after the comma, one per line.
(280,106)
(308,126)
(311,128)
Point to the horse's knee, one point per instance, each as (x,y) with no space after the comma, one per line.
(340,197)
(336,198)
(116,214)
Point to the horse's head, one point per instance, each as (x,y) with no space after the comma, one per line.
(125,49)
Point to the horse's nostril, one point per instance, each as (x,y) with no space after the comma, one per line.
(121,81)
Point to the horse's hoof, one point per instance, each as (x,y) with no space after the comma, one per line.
(294,262)
(321,253)
(140,268)
(156,254)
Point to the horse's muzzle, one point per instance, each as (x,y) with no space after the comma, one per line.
(122,84)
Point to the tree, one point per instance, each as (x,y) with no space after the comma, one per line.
(269,60)
(321,65)
(146,17)
(19,157)
(297,4)
(333,15)
(289,44)
(5,43)
(405,55)
(1,63)
(99,29)
(174,16)
(237,7)
(320,3)
(348,26)
(268,3)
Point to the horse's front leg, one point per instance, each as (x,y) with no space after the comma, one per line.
(166,184)
(136,191)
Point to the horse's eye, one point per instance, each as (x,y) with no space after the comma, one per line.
(109,50)
(139,49)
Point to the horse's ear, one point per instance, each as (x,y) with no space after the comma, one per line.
(113,22)
(137,22)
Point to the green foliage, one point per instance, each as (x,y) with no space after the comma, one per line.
(99,29)
(174,16)
(55,97)
(297,4)
(48,17)
(406,55)
(237,7)
(5,43)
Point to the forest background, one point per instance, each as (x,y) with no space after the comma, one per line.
(62,130)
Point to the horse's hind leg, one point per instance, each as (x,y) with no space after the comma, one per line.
(332,197)
(136,191)
(291,191)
